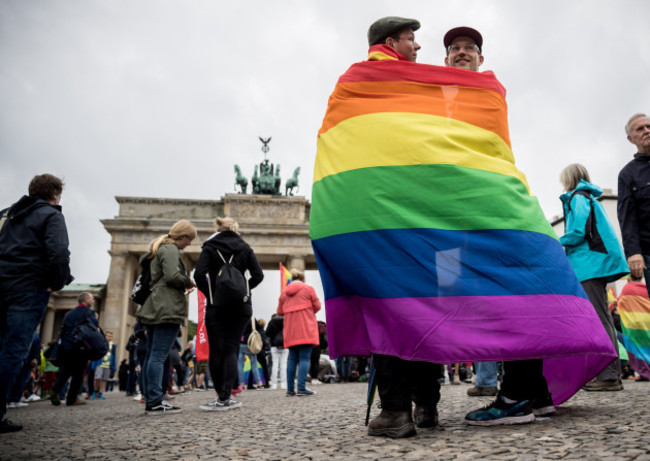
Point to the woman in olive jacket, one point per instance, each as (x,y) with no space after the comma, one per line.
(165,309)
(225,321)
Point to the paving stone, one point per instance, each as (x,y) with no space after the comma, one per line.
(328,426)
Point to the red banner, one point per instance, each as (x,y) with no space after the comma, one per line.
(202,349)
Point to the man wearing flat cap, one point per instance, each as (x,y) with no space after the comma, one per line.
(524,391)
(401,382)
(393,38)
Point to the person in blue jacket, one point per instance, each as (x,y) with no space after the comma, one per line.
(595,254)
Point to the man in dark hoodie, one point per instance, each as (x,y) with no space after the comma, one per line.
(34,261)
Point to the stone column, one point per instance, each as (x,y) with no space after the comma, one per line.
(296,262)
(47,330)
(118,289)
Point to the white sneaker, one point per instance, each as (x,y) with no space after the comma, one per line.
(221,405)
(273,387)
(33,398)
(16,405)
(315,381)
(138,397)
(283,386)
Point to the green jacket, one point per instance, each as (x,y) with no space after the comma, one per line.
(169,279)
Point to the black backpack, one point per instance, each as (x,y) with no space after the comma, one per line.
(89,338)
(230,285)
(142,289)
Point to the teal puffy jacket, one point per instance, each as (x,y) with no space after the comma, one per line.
(592,247)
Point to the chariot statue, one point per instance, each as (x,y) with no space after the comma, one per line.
(266,177)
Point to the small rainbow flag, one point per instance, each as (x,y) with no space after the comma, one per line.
(634,308)
(611,296)
(429,243)
(285,277)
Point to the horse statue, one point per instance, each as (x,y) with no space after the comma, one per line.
(278,180)
(291,183)
(240,180)
(255,182)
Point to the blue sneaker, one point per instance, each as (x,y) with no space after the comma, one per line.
(499,412)
(305,391)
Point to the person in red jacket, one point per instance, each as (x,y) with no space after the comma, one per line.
(299,304)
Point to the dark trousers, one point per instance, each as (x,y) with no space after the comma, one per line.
(314,362)
(133,376)
(400,382)
(73,365)
(596,290)
(524,380)
(225,327)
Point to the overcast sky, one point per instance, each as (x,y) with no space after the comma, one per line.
(161,98)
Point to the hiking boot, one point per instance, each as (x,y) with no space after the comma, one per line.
(221,405)
(482,391)
(543,406)
(305,391)
(395,424)
(500,412)
(425,416)
(162,408)
(8,426)
(606,385)
(77,402)
(56,401)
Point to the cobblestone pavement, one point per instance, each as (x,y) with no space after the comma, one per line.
(328,426)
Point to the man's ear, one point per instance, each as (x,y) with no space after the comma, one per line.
(447,61)
(390,41)
(480,59)
(629,138)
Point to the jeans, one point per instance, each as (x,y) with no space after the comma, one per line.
(344,367)
(486,374)
(243,353)
(20,314)
(298,358)
(279,369)
(159,340)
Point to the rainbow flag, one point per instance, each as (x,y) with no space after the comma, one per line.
(634,308)
(429,243)
(285,277)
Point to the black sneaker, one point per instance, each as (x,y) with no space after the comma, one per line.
(162,408)
(305,391)
(500,412)
(543,406)
(8,426)
(291,393)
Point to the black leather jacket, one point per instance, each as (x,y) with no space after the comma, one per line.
(634,205)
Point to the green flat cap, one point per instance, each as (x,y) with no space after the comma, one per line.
(383,28)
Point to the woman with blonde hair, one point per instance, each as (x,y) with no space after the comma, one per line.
(225,317)
(164,310)
(298,304)
(595,255)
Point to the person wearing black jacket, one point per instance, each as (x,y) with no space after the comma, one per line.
(225,322)
(279,355)
(634,198)
(73,361)
(34,261)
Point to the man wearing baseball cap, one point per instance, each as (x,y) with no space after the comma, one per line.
(524,391)
(393,37)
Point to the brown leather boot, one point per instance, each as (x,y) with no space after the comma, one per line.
(395,424)
(425,416)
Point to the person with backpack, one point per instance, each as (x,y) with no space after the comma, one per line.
(595,254)
(72,360)
(219,275)
(164,310)
(298,304)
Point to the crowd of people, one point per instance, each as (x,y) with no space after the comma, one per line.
(34,261)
